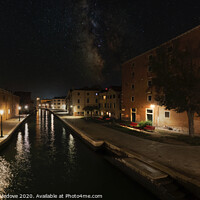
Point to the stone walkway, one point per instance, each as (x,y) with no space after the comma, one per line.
(9,126)
(178,158)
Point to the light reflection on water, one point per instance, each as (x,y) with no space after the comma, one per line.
(5,175)
(45,157)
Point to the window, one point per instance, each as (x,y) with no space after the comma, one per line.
(132,99)
(110,105)
(149,83)
(169,49)
(110,96)
(113,105)
(88,93)
(149,98)
(105,105)
(149,115)
(133,64)
(88,100)
(104,97)
(88,112)
(132,86)
(167,114)
(78,107)
(96,100)
(58,103)
(150,57)
(113,96)
(78,93)
(78,113)
(149,68)
(78,100)
(133,74)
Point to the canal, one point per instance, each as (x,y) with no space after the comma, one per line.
(44,157)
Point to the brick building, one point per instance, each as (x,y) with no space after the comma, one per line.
(9,103)
(110,102)
(138,103)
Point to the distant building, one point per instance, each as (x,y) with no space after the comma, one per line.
(26,102)
(9,103)
(44,103)
(110,102)
(78,99)
(138,95)
(58,103)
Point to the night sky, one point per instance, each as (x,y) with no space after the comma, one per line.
(50,46)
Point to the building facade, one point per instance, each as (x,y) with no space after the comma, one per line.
(138,94)
(110,102)
(58,103)
(78,99)
(9,103)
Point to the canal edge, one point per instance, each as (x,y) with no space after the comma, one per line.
(162,187)
(10,134)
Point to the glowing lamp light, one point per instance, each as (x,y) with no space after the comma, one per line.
(1,112)
(19,107)
(152,106)
(38,99)
(26,107)
(71,106)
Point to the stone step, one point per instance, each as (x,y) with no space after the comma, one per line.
(144,169)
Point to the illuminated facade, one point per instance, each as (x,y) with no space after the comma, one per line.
(138,103)
(9,103)
(58,103)
(77,99)
(110,101)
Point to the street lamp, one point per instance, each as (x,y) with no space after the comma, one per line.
(19,111)
(26,107)
(1,113)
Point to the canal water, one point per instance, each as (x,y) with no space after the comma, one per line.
(44,157)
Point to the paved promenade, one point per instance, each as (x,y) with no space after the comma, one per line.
(175,159)
(9,126)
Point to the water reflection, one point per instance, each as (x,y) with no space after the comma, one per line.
(5,175)
(71,152)
(52,138)
(26,139)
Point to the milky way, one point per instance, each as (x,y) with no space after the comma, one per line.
(49,46)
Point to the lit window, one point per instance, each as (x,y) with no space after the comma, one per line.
(132,99)
(104,97)
(8,111)
(167,114)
